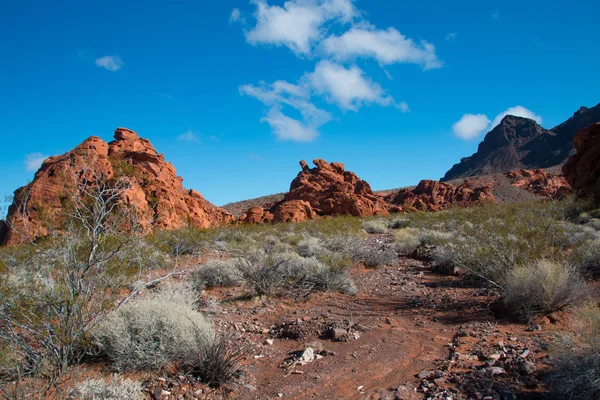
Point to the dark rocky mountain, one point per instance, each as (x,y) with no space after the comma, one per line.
(520,143)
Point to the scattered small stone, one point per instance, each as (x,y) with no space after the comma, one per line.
(493,371)
(307,356)
(269,342)
(250,387)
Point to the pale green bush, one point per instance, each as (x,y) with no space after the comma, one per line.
(587,257)
(375,226)
(399,223)
(152,331)
(310,247)
(215,273)
(407,240)
(115,389)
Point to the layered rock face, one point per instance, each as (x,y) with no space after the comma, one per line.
(540,182)
(327,189)
(435,196)
(520,143)
(154,190)
(583,168)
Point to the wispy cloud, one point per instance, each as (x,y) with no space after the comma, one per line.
(236,16)
(167,96)
(496,15)
(33,161)
(110,63)
(254,157)
(188,136)
(517,111)
(451,36)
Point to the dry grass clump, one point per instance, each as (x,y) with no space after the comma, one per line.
(215,363)
(114,389)
(215,273)
(153,331)
(542,287)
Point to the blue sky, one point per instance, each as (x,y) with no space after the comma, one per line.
(235,93)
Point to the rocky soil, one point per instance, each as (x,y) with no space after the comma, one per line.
(408,334)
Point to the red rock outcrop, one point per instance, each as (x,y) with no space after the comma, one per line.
(540,182)
(155,191)
(435,196)
(582,170)
(327,189)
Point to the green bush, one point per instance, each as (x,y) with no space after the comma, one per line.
(587,257)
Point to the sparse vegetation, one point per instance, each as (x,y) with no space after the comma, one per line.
(375,226)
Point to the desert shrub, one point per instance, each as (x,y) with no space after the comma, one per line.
(375,226)
(576,366)
(273,274)
(151,332)
(115,389)
(346,243)
(262,271)
(215,363)
(399,223)
(310,247)
(587,257)
(215,273)
(575,376)
(179,242)
(542,287)
(407,240)
(373,256)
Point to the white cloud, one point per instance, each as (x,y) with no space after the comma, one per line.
(111,63)
(517,111)
(387,46)
(346,87)
(236,16)
(299,23)
(451,36)
(188,136)
(33,161)
(403,106)
(470,126)
(287,128)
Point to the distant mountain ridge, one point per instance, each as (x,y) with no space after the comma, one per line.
(520,143)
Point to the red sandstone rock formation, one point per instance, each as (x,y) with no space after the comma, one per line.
(155,191)
(540,182)
(582,170)
(435,196)
(326,189)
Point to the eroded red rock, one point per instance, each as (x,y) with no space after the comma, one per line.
(326,189)
(582,170)
(156,192)
(540,182)
(435,196)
